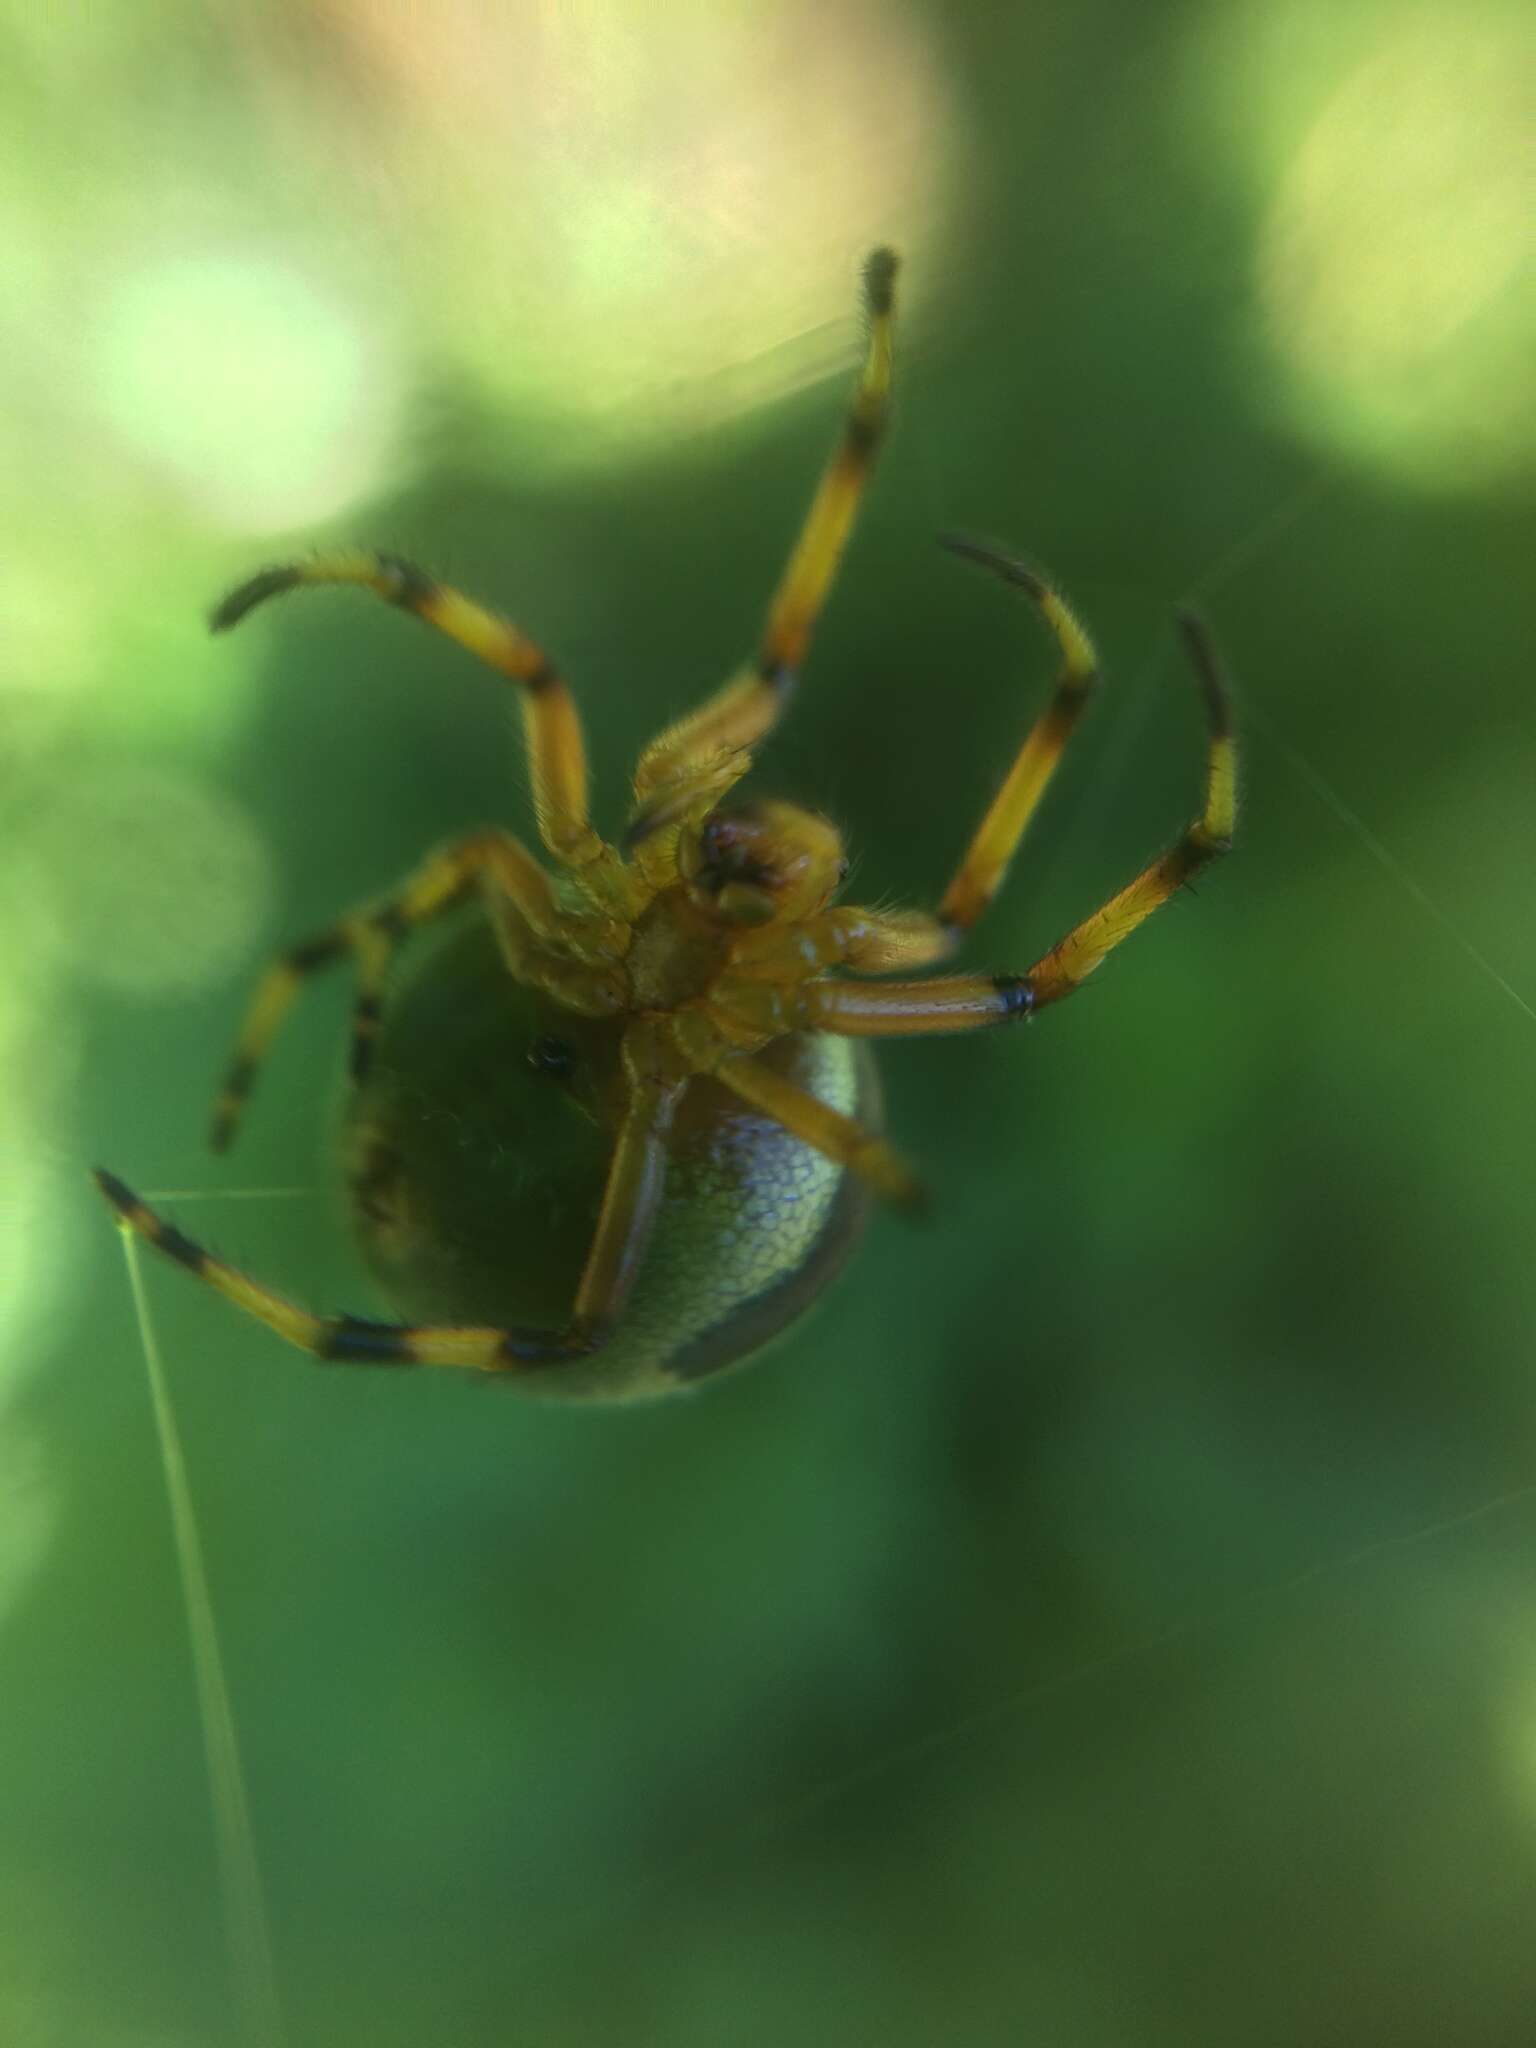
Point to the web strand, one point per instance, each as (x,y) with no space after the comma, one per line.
(245,1913)
(1385,858)
(710,1858)
(1227,569)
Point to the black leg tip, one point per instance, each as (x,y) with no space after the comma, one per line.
(122,1197)
(1206,662)
(229,611)
(1009,567)
(880,268)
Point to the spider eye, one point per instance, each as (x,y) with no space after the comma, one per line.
(552,1056)
(730,851)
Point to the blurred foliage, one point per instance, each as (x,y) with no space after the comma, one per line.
(1108,1622)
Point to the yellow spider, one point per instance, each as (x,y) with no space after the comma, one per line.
(620,1127)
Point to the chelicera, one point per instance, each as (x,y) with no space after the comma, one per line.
(619,1128)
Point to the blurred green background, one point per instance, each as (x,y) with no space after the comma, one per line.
(1109,1622)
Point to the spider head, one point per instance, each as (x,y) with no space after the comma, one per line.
(761,863)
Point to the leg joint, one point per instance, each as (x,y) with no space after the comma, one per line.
(402,583)
(1017,995)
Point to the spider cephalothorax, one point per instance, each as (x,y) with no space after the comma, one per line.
(680,1016)
(763,863)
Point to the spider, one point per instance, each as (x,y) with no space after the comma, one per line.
(621,1126)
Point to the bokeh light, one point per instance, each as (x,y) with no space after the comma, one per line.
(40,1041)
(600,207)
(39,1055)
(1397,233)
(30,1493)
(267,401)
(139,878)
(1391,277)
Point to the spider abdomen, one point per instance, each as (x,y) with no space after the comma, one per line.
(475,1154)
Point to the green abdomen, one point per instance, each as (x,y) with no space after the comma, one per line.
(473,1179)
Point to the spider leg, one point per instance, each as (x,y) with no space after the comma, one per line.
(741,712)
(840,1138)
(881,941)
(982,871)
(372,935)
(552,727)
(629,1207)
(868,941)
(965,1002)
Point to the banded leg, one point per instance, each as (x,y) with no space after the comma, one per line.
(629,1208)
(965,1002)
(739,714)
(985,866)
(552,727)
(837,1137)
(372,935)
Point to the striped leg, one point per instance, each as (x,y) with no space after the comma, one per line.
(985,866)
(556,750)
(372,936)
(623,1228)
(964,1002)
(738,715)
